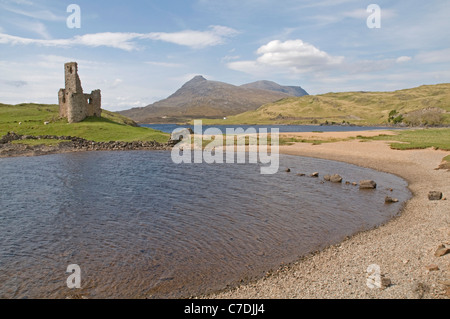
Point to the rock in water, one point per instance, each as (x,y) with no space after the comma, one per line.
(367,184)
(389,200)
(336,178)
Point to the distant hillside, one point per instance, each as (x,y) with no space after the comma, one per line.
(201,98)
(272,86)
(424,105)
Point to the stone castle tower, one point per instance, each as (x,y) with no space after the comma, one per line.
(73,103)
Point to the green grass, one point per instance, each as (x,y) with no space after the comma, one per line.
(438,138)
(360,108)
(110,127)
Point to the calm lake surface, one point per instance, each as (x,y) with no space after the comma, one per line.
(140,226)
(169,128)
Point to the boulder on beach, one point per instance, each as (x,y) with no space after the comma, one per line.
(367,184)
(434,195)
(441,251)
(181,133)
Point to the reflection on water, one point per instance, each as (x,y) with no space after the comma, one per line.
(140,226)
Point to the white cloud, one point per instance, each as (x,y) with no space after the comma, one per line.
(403,59)
(292,56)
(127,41)
(118,40)
(196,39)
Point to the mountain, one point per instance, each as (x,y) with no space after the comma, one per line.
(425,105)
(272,86)
(201,98)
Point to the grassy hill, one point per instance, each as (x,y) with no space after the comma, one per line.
(428,104)
(111,127)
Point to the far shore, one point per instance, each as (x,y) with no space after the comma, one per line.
(404,248)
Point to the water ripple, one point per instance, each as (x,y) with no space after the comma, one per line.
(140,226)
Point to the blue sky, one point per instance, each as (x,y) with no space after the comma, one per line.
(138,52)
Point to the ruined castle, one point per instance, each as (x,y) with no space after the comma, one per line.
(73,103)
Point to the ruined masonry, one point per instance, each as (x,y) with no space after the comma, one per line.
(73,103)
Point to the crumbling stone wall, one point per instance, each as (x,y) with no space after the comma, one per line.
(73,103)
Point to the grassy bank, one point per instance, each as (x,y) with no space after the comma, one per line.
(424,105)
(30,119)
(438,138)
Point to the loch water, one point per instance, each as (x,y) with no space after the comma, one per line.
(140,226)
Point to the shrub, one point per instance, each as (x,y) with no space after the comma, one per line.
(425,117)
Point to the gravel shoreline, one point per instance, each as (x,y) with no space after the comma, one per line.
(403,249)
(67,144)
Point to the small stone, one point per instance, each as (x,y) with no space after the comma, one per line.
(385,282)
(336,178)
(367,184)
(288,170)
(327,177)
(315,174)
(432,268)
(355,184)
(301,174)
(441,251)
(390,200)
(420,289)
(434,195)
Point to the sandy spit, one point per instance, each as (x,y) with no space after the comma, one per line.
(403,249)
